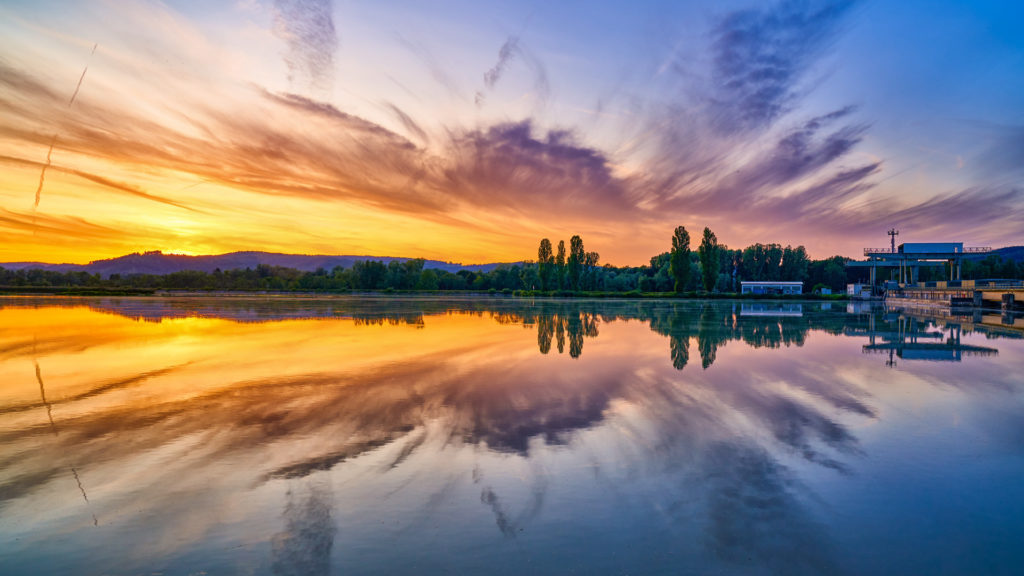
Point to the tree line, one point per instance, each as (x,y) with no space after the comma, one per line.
(712,267)
(561,270)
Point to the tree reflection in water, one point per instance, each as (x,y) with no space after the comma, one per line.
(720,436)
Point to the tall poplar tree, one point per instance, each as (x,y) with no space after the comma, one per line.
(545,264)
(709,259)
(679,262)
(560,264)
(577,257)
(590,261)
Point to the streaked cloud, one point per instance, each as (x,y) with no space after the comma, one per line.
(511,49)
(737,140)
(762,54)
(307,27)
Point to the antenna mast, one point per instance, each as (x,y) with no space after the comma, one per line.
(894,233)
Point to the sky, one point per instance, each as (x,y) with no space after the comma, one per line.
(467,131)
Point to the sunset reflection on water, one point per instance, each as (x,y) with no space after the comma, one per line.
(471,435)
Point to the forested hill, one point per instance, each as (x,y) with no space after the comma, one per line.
(1014,253)
(159,263)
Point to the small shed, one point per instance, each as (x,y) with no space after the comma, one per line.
(859,290)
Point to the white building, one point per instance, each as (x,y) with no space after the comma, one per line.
(859,290)
(771,287)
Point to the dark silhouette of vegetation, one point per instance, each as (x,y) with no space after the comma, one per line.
(709,259)
(575,262)
(560,264)
(714,267)
(546,265)
(680,260)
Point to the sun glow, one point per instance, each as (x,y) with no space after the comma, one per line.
(203,140)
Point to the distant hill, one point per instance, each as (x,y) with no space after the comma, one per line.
(1015,253)
(160,263)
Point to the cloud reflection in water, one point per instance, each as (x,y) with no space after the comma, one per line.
(163,402)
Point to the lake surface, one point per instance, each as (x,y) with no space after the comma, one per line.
(503,436)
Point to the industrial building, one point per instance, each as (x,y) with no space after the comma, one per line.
(904,262)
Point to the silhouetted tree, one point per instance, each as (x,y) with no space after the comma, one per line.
(427,281)
(529,277)
(560,332)
(560,264)
(545,330)
(590,262)
(680,259)
(577,257)
(545,264)
(709,259)
(574,327)
(794,264)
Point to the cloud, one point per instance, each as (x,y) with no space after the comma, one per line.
(754,517)
(307,26)
(304,546)
(66,229)
(508,51)
(974,209)
(505,54)
(106,182)
(508,165)
(410,125)
(732,149)
(795,155)
(762,54)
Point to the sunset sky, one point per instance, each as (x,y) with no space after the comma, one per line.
(468,130)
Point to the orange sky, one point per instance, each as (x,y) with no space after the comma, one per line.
(448,135)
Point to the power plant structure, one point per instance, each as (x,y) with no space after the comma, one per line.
(905,261)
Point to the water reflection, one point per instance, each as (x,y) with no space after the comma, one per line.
(372,422)
(303,548)
(909,340)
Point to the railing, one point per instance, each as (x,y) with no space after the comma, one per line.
(973,250)
(999,284)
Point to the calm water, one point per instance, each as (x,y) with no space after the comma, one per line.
(142,436)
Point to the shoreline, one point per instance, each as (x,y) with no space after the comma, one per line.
(45,291)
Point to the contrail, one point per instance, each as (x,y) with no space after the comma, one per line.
(95,521)
(82,77)
(42,392)
(42,174)
(49,153)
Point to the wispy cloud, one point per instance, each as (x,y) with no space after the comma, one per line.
(761,55)
(95,178)
(508,165)
(505,54)
(61,229)
(732,143)
(508,51)
(307,26)
(410,125)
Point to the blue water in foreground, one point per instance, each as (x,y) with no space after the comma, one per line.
(503,436)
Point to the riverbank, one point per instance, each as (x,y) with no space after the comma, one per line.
(562,294)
